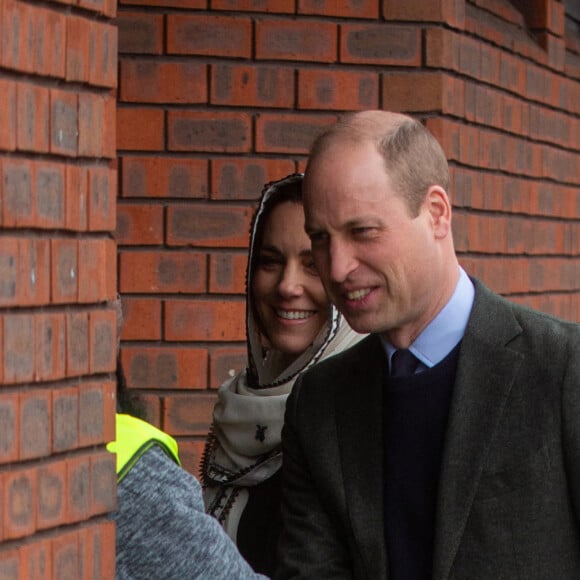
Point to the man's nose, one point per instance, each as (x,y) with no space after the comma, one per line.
(341,261)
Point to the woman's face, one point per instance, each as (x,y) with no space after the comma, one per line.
(288,295)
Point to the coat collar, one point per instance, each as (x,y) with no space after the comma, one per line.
(360,440)
(485,374)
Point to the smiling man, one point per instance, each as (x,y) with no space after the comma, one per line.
(447,444)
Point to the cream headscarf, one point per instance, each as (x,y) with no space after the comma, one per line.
(244,444)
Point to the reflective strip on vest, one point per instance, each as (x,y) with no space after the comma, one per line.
(134,438)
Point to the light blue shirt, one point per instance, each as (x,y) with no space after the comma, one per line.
(445,331)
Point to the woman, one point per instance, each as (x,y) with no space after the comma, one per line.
(290,326)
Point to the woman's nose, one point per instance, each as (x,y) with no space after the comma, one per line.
(291,282)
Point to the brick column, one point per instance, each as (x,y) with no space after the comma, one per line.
(58,62)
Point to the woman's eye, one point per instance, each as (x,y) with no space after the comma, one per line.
(269,261)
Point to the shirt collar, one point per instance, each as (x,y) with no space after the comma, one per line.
(443,333)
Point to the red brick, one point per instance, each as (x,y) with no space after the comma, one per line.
(165,367)
(63,122)
(11,281)
(36,559)
(102,182)
(226,363)
(201,34)
(76,198)
(103,483)
(103,341)
(10,562)
(140,129)
(208,320)
(97,6)
(190,454)
(110,269)
(450,12)
(49,179)
(32,118)
(77,348)
(51,494)
(109,409)
(547,15)
(147,81)
(65,270)
(103,56)
(177,3)
(19,505)
(49,42)
(414,91)
(289,133)
(77,49)
(154,272)
(91,272)
(139,224)
(227,273)
(91,414)
(18,200)
(209,131)
(335,90)
(16,48)
(380,44)
(188,414)
(208,225)
(65,419)
(140,33)
(442,49)
(242,178)
(153,177)
(512,73)
(7,114)
(9,430)
(141,319)
(97,550)
(2,351)
(251,86)
(342,9)
(18,335)
(78,489)
(280,6)
(298,40)
(490,64)
(34,271)
(150,407)
(97,125)
(65,555)
(35,424)
(50,346)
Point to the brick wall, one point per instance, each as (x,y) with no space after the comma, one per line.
(215,98)
(58,69)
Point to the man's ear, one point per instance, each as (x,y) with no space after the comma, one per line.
(439,207)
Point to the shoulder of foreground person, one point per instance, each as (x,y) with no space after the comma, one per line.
(163,531)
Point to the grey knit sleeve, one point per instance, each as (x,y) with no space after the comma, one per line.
(163,532)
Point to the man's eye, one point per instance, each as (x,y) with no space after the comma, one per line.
(362,231)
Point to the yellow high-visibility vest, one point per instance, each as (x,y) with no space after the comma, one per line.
(134,437)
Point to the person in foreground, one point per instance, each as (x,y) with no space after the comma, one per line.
(446,445)
(163,531)
(290,326)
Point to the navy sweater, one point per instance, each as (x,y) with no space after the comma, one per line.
(415,420)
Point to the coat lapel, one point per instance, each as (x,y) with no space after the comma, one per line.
(485,374)
(360,438)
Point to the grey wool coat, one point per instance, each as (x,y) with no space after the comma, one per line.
(509,494)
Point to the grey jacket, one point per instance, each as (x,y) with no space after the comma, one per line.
(163,532)
(509,494)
